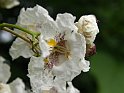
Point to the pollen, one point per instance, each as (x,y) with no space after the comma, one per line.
(52,42)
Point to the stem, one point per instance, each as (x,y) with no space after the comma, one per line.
(35,48)
(33,42)
(11,31)
(34,34)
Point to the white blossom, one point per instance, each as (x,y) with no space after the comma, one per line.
(87,26)
(63,52)
(63,48)
(17,86)
(9,3)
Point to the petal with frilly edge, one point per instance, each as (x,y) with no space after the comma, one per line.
(4,71)
(84,65)
(31,19)
(34,18)
(66,22)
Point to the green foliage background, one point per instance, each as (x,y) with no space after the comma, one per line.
(107,66)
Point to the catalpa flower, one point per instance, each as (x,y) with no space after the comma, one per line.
(63,52)
(17,86)
(9,3)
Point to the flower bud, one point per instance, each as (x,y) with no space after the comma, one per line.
(87,26)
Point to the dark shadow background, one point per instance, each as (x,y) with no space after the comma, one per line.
(107,66)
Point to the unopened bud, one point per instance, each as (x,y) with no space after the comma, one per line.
(90,50)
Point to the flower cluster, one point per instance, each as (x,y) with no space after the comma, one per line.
(61,48)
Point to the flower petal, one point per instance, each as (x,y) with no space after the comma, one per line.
(84,65)
(71,88)
(20,48)
(66,22)
(4,71)
(17,86)
(5,88)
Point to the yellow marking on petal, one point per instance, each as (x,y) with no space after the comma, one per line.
(46,60)
(52,42)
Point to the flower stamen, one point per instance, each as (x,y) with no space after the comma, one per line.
(58,48)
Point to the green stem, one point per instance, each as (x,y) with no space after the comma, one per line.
(35,48)
(33,42)
(34,34)
(12,32)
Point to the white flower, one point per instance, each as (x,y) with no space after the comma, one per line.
(9,3)
(17,86)
(87,26)
(63,52)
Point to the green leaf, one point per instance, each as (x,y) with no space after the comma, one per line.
(108,72)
